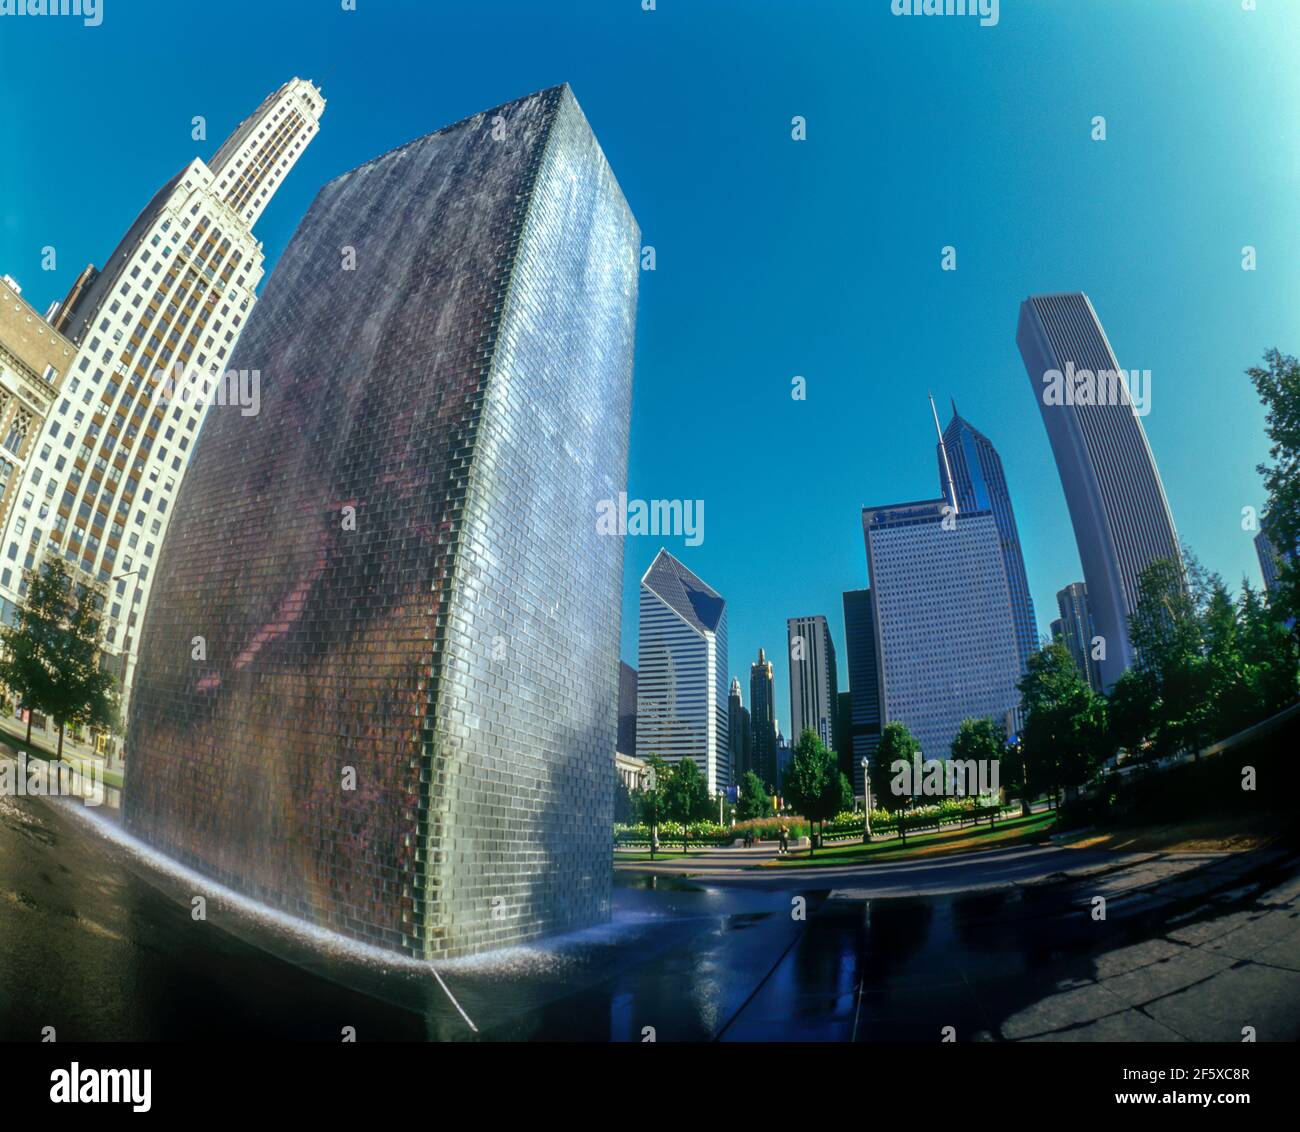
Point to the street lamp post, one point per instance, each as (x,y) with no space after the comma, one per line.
(866,802)
(651,780)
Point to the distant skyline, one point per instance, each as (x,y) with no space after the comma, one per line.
(778,258)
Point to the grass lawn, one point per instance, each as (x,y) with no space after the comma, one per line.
(18,743)
(662,855)
(1013,831)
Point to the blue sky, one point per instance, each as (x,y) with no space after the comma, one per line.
(776,258)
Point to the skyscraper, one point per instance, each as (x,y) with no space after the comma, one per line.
(154,329)
(682,671)
(1117,503)
(1077,631)
(402,723)
(980,484)
(864,675)
(626,709)
(738,733)
(1270,562)
(814,683)
(945,633)
(762,718)
(34,361)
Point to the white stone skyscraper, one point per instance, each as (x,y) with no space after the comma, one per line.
(1117,504)
(154,332)
(682,696)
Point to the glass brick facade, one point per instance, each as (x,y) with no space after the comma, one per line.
(464,392)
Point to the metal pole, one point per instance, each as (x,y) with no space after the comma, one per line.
(866,802)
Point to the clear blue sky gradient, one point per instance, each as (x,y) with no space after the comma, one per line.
(778,258)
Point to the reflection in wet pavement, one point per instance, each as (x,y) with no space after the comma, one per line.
(106,948)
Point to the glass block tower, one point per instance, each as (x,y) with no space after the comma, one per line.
(400,720)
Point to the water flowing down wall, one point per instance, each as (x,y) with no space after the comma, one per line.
(400,719)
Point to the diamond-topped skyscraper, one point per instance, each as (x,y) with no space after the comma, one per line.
(1121,519)
(682,695)
(400,717)
(980,484)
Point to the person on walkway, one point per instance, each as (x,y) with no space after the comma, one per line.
(785,842)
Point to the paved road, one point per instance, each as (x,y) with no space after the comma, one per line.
(98,941)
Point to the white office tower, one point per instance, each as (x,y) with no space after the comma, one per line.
(154,332)
(682,708)
(813,679)
(1121,518)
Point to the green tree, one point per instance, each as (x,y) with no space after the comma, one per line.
(755,801)
(1168,635)
(53,651)
(1064,737)
(651,798)
(1277,382)
(812,783)
(687,796)
(1015,778)
(26,667)
(979,741)
(846,794)
(1269,653)
(896,744)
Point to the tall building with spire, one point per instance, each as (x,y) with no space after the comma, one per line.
(1121,518)
(762,719)
(155,331)
(946,642)
(682,709)
(970,463)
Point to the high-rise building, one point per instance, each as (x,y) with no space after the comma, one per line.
(1056,630)
(762,719)
(404,718)
(864,676)
(980,484)
(844,734)
(814,682)
(682,678)
(738,733)
(1270,562)
(34,361)
(945,631)
(626,708)
(1077,631)
(1117,504)
(155,330)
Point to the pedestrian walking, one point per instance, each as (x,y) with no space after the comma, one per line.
(785,840)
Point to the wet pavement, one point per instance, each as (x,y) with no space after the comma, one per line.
(99,942)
